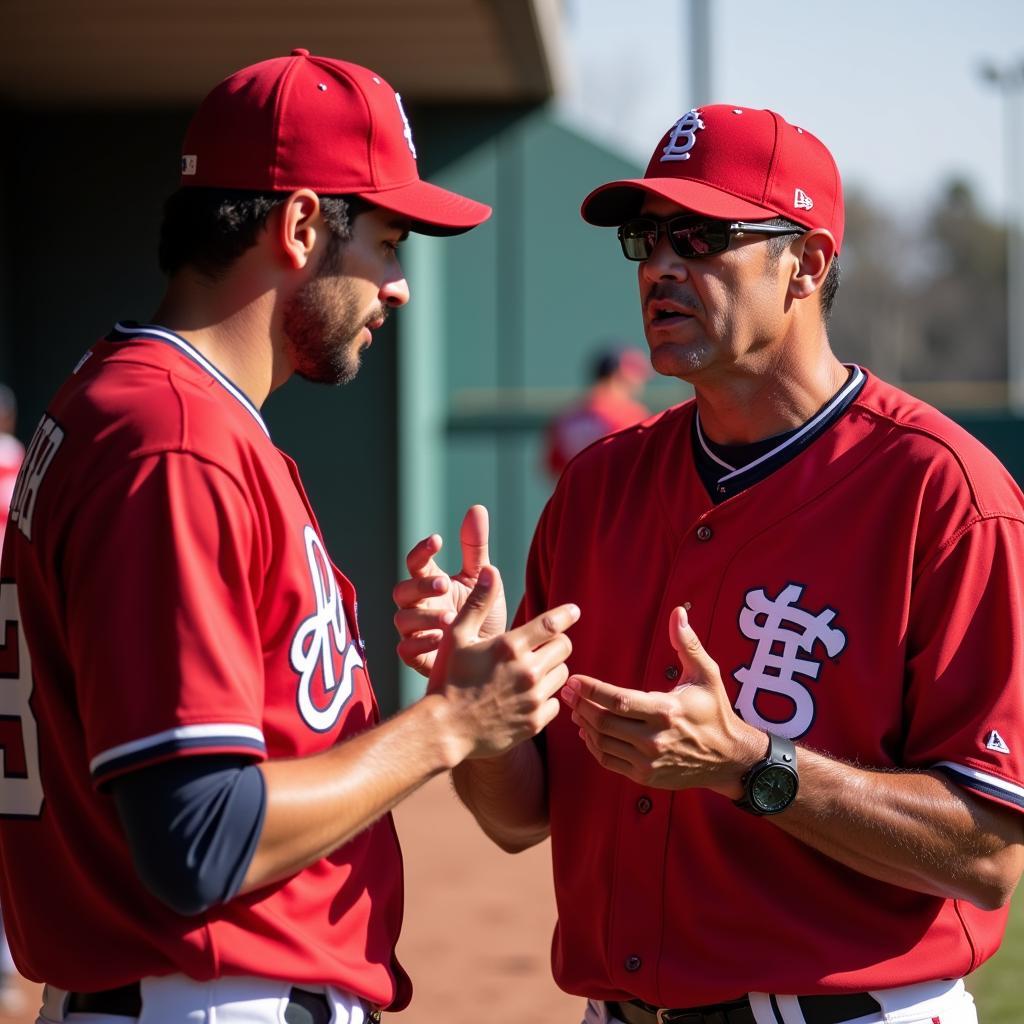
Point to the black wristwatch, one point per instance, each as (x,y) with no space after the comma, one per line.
(771,785)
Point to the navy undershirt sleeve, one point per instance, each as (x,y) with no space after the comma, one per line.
(192,825)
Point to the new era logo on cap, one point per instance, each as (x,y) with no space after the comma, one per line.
(188,164)
(802,201)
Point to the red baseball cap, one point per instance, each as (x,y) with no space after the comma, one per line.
(734,163)
(314,122)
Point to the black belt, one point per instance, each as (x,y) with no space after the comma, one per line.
(304,1007)
(816,1010)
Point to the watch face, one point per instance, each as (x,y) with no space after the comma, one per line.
(773,789)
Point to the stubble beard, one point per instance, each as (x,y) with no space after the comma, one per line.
(322,322)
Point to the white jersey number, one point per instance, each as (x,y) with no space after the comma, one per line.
(21,788)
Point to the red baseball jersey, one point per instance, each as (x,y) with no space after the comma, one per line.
(167,592)
(864,598)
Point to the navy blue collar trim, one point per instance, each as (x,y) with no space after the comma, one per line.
(728,470)
(126,329)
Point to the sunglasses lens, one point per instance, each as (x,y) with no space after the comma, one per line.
(638,238)
(698,238)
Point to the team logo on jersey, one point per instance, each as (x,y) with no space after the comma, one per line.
(682,137)
(322,651)
(41,450)
(787,638)
(993,741)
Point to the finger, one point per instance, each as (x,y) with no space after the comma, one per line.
(473,537)
(542,628)
(552,682)
(549,711)
(466,626)
(420,560)
(606,758)
(697,664)
(599,721)
(414,647)
(552,654)
(409,593)
(633,704)
(415,620)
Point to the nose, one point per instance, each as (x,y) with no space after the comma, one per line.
(664,262)
(394,292)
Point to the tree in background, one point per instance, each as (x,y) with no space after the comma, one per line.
(923,302)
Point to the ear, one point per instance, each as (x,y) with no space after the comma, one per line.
(298,222)
(815,251)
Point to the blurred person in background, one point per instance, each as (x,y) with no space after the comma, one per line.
(12,453)
(611,403)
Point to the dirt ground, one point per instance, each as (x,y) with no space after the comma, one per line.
(477,928)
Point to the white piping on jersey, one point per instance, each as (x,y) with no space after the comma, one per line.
(1012,790)
(197,356)
(811,424)
(212,730)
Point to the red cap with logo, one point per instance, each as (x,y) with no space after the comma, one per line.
(314,122)
(733,163)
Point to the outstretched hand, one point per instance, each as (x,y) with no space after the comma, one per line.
(430,599)
(499,690)
(688,737)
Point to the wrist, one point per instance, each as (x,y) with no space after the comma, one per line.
(453,745)
(751,745)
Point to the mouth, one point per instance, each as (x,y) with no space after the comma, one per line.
(663,313)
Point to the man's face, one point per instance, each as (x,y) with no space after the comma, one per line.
(710,314)
(329,320)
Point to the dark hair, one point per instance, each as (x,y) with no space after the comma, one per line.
(209,228)
(777,245)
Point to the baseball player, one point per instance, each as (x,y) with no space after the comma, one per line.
(787,782)
(611,403)
(196,782)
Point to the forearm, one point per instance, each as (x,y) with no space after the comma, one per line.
(507,795)
(912,829)
(315,804)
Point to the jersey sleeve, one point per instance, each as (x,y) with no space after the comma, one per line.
(162,582)
(965,662)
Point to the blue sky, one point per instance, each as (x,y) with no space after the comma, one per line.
(891,87)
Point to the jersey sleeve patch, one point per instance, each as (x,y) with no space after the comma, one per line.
(209,738)
(983,783)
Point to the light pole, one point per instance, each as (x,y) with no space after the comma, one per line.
(1009,80)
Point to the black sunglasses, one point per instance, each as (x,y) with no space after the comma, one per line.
(691,237)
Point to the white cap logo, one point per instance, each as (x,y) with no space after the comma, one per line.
(188,164)
(408,127)
(682,137)
(802,201)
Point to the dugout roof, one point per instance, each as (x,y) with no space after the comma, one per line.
(124,53)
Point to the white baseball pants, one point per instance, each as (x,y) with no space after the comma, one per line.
(176,999)
(932,1002)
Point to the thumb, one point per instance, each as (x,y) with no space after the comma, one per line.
(473,537)
(698,665)
(467,624)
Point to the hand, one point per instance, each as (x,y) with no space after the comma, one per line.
(430,599)
(688,737)
(500,690)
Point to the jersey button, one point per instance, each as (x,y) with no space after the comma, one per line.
(633,963)
(644,805)
(704,533)
(672,672)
